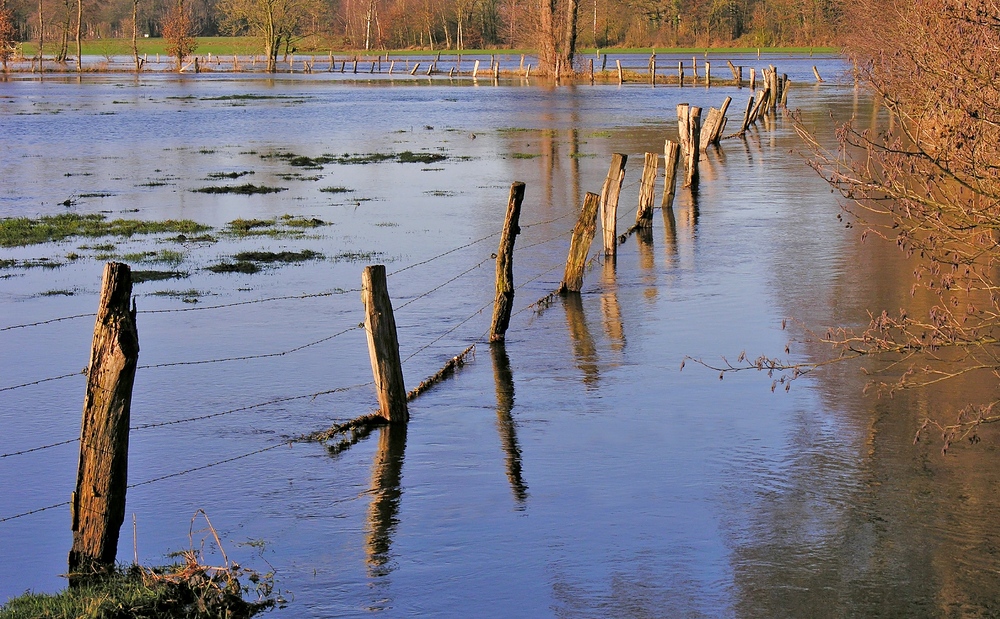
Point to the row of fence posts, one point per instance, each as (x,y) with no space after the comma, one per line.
(98,504)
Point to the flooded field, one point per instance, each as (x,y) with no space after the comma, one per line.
(576,472)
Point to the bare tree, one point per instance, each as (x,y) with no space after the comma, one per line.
(270,21)
(177,31)
(929,182)
(8,35)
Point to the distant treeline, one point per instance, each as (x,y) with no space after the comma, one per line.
(455,24)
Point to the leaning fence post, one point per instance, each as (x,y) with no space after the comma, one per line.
(609,202)
(647,191)
(98,505)
(383,347)
(671,155)
(504,301)
(583,236)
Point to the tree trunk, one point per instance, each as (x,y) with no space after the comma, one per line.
(79,35)
(569,51)
(547,34)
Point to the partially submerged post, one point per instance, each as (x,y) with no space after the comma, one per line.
(671,156)
(609,203)
(579,246)
(680,73)
(647,191)
(504,301)
(715,123)
(98,504)
(383,347)
(689,129)
(816,73)
(746,118)
(621,75)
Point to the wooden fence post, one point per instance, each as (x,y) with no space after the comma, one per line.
(621,75)
(504,301)
(609,202)
(708,73)
(647,191)
(746,118)
(816,73)
(98,505)
(583,236)
(680,73)
(671,156)
(689,128)
(383,347)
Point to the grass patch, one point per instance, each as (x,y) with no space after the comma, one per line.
(198,238)
(336,190)
(31,263)
(246,97)
(297,176)
(215,176)
(242,266)
(357,256)
(57,293)
(152,184)
(139,277)
(408,157)
(524,155)
(97,194)
(164,256)
(187,296)
(22,231)
(244,190)
(386,224)
(315,163)
(582,155)
(271,257)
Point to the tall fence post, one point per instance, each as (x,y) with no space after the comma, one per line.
(583,236)
(383,347)
(98,505)
(689,129)
(504,301)
(647,191)
(671,155)
(609,202)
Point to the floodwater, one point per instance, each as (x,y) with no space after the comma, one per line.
(575,472)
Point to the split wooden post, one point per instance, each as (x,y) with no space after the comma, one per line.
(98,505)
(715,122)
(784,90)
(689,128)
(671,156)
(383,347)
(579,246)
(609,202)
(647,191)
(732,68)
(504,301)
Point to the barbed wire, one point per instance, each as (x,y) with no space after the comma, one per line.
(249,357)
(82,372)
(45,322)
(40,448)
(440,286)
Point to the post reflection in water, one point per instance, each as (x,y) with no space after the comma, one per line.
(670,236)
(647,261)
(610,307)
(386,491)
(584,350)
(504,379)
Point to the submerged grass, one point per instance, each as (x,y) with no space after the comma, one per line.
(284,226)
(22,231)
(244,190)
(140,276)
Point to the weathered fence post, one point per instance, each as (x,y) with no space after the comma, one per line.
(680,73)
(753,79)
(591,71)
(621,75)
(504,301)
(383,347)
(475,69)
(746,118)
(816,73)
(98,505)
(689,129)
(671,156)
(708,73)
(609,202)
(647,191)
(579,246)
